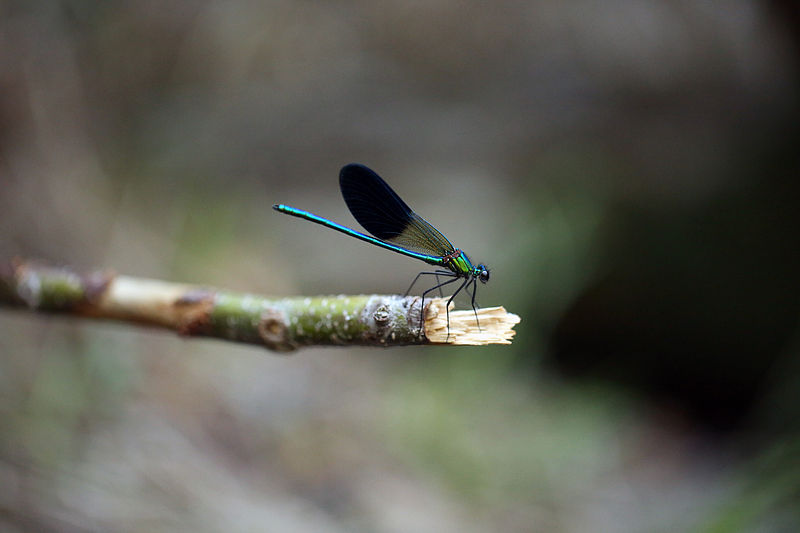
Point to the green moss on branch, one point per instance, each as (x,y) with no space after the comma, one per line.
(282,324)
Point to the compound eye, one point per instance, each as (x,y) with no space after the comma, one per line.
(484,276)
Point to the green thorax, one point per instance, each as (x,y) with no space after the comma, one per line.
(459,263)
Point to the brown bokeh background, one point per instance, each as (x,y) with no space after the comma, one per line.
(628,169)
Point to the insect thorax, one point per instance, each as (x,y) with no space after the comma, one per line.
(459,263)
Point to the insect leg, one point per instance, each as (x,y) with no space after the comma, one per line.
(439,286)
(447,307)
(436,273)
(474,310)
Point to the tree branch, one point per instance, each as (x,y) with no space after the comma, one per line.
(279,324)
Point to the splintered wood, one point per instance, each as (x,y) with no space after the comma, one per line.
(496,325)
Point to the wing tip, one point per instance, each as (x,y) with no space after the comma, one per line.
(353,170)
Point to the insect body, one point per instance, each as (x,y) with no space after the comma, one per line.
(396,227)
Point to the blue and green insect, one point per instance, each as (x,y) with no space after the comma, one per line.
(397,228)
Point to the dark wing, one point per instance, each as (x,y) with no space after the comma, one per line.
(385,215)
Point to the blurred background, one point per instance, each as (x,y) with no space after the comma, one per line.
(627,168)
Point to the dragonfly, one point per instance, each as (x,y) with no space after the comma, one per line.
(394,226)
